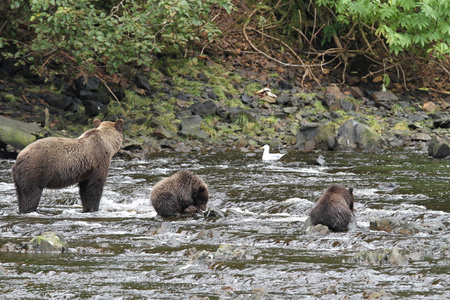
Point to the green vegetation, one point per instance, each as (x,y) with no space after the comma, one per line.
(111,33)
(402,126)
(252,88)
(375,123)
(407,25)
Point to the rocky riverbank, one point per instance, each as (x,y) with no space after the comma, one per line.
(196,105)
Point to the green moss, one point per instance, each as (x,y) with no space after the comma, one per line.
(234,103)
(402,126)
(305,96)
(375,123)
(396,109)
(10,98)
(252,88)
(318,106)
(271,120)
(134,100)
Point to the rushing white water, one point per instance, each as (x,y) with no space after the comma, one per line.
(125,251)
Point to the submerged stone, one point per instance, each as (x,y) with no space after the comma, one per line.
(392,256)
(48,242)
(396,225)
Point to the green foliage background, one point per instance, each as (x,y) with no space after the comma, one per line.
(110,33)
(420,26)
(107,32)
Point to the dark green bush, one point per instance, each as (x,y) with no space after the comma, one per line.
(109,33)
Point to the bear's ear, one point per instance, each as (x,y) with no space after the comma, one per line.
(119,125)
(97,123)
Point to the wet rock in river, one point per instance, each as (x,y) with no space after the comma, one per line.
(48,242)
(11,247)
(233,252)
(392,256)
(319,229)
(213,212)
(395,225)
(224,252)
(320,161)
(160,228)
(438,147)
(377,295)
(322,229)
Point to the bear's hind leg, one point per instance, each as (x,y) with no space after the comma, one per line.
(166,205)
(28,199)
(90,193)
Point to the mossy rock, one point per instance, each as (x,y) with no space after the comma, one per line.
(48,242)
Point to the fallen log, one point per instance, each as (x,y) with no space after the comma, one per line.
(19,134)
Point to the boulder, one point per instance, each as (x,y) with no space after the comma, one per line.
(438,147)
(389,256)
(142,82)
(190,127)
(333,97)
(246,99)
(18,134)
(203,109)
(163,133)
(313,136)
(92,83)
(284,85)
(353,135)
(48,242)
(384,99)
(396,225)
(93,108)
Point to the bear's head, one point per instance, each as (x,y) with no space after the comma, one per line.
(118,125)
(110,132)
(200,197)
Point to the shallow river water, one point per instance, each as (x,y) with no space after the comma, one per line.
(125,251)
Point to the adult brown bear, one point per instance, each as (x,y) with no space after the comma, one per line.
(56,162)
(334,208)
(181,192)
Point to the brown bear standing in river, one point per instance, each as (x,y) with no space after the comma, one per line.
(56,162)
(181,192)
(334,208)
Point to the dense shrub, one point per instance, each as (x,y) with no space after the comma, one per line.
(420,26)
(107,32)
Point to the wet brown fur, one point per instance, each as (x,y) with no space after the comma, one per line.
(56,162)
(334,208)
(181,192)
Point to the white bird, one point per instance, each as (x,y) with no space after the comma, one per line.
(270,156)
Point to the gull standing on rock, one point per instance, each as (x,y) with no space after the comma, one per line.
(270,156)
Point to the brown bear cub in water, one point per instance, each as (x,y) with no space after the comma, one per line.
(334,208)
(181,192)
(56,162)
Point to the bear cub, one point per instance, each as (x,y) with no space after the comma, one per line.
(56,162)
(334,208)
(181,192)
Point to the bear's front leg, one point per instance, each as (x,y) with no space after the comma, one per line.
(91,193)
(192,209)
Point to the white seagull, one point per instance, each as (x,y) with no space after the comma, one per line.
(270,156)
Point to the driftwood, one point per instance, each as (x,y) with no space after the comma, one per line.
(19,134)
